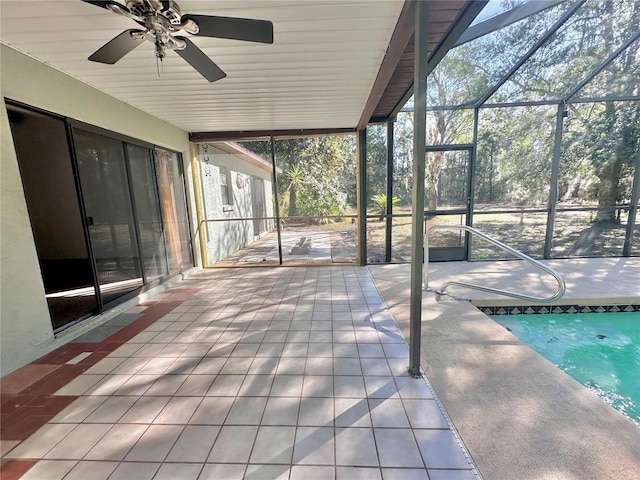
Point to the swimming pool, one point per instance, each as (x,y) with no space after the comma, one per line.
(599,350)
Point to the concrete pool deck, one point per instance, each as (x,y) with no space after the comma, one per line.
(518,415)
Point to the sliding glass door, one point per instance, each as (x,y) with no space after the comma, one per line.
(147,211)
(109,214)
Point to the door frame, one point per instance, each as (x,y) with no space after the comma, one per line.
(445,254)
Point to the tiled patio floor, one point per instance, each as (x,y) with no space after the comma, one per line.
(287,373)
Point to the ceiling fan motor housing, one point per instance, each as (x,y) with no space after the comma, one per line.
(167,8)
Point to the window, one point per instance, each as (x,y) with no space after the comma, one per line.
(225,190)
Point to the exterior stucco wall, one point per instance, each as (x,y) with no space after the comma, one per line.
(224,238)
(25,327)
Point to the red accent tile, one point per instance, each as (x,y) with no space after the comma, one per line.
(14,469)
(150,316)
(15,403)
(54,382)
(25,377)
(21,430)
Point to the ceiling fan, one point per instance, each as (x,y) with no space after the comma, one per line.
(162,21)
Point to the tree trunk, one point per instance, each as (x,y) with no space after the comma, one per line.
(293,208)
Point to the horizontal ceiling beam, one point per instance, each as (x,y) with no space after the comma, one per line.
(201,137)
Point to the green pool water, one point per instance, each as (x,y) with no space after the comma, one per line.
(599,350)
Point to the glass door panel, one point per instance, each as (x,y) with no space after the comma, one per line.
(174,210)
(109,214)
(49,185)
(147,208)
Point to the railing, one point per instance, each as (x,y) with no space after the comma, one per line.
(443,290)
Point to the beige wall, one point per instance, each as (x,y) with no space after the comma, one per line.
(25,328)
(224,238)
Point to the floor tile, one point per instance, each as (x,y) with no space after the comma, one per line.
(39,444)
(346,366)
(316,412)
(145,410)
(314,446)
(256,386)
(287,386)
(209,365)
(388,413)
(247,375)
(268,472)
(246,411)
(346,350)
(355,447)
(236,366)
(349,386)
(116,443)
(26,376)
(137,385)
(155,443)
(397,448)
(451,475)
(380,387)
(395,350)
(318,366)
(317,386)
(80,409)
(108,385)
(194,385)
(79,385)
(222,471)
(404,474)
(7,445)
(167,385)
(104,366)
(273,445)
(49,469)
(212,411)
(375,367)
(77,443)
(264,366)
(91,471)
(182,471)
(135,470)
(233,444)
(226,386)
(424,414)
(304,472)
(281,411)
(178,411)
(194,444)
(358,473)
(111,410)
(290,366)
(413,388)
(440,449)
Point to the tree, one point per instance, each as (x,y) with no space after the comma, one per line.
(318,174)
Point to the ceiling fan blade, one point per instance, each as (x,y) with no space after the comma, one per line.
(198,60)
(246,29)
(116,48)
(105,3)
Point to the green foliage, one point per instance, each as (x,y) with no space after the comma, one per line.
(379,202)
(317,175)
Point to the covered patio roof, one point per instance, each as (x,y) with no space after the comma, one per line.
(333,66)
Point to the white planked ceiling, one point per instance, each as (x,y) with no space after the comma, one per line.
(318,73)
